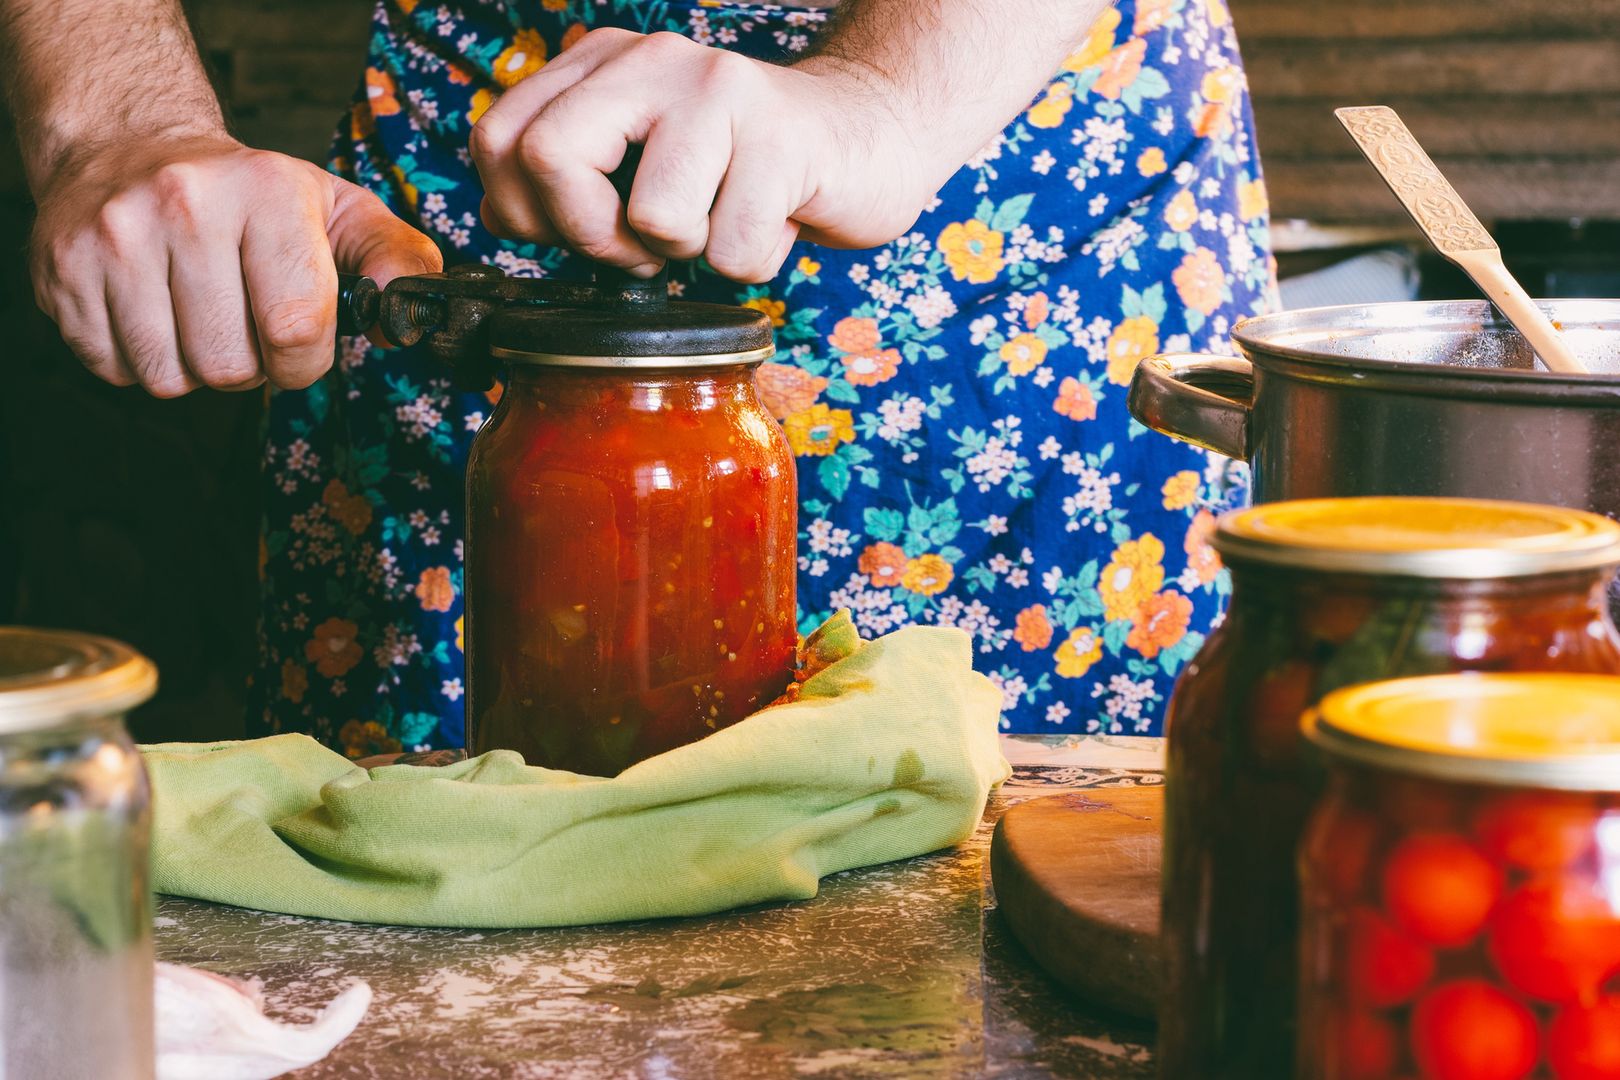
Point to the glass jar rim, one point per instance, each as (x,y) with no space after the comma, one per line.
(53,677)
(1419,536)
(1551,730)
(519,357)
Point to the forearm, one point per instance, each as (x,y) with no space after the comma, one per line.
(956,71)
(68,100)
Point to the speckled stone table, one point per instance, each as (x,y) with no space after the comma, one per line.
(894,971)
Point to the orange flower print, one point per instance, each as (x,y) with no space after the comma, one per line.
(972,251)
(554,5)
(1182,213)
(294,680)
(353,512)
(333,650)
(458,74)
(1033,630)
(786,389)
(1202,557)
(871,368)
(525,56)
(818,430)
(1023,354)
(882,563)
(1150,162)
(1081,649)
(1212,121)
(482,99)
(1181,490)
(775,309)
(365,739)
(572,35)
(854,335)
(1074,400)
(1133,340)
(1222,84)
(1036,310)
(1053,107)
(1252,200)
(1099,40)
(1134,574)
(1161,622)
(1150,15)
(1120,68)
(1200,280)
(380,92)
(434,590)
(493,394)
(927,574)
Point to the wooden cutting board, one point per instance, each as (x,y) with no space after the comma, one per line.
(1077,881)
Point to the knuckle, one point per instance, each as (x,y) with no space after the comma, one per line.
(537,150)
(118,225)
(662,222)
(180,184)
(727,72)
(490,140)
(296,324)
(664,44)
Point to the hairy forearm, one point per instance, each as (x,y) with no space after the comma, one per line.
(80,74)
(957,69)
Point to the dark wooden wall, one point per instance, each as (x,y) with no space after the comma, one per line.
(138,518)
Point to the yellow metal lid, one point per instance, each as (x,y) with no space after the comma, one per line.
(52,677)
(1420,537)
(1525,730)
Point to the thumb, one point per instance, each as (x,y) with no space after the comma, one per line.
(367,238)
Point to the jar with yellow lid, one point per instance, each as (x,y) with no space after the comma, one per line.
(1460,881)
(1327,594)
(76,969)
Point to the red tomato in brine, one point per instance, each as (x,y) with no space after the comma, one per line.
(1339,847)
(1383,966)
(1583,1042)
(1364,1044)
(1543,830)
(1470,1030)
(1439,888)
(1556,938)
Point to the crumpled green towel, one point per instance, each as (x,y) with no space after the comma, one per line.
(887,754)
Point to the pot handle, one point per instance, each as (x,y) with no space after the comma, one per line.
(1203,400)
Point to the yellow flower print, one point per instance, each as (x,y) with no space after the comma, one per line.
(481,101)
(1218,13)
(1199,280)
(365,739)
(1182,213)
(294,680)
(1132,341)
(1150,162)
(1252,200)
(1221,84)
(461,629)
(1099,42)
(554,5)
(1134,574)
(808,266)
(818,430)
(927,575)
(1081,649)
(353,512)
(1051,109)
(1023,354)
(972,250)
(1180,490)
(1150,15)
(774,308)
(525,56)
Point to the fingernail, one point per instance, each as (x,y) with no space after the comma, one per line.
(646,269)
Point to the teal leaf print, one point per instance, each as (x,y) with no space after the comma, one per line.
(415,727)
(883,523)
(1010,214)
(1114,635)
(840,390)
(1149,83)
(833,472)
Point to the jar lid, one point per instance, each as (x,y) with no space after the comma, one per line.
(1412,536)
(49,677)
(673,334)
(1547,730)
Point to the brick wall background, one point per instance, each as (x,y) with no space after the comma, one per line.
(137,518)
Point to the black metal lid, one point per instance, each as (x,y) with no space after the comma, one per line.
(651,333)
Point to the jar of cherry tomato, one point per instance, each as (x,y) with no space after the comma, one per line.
(1326,594)
(631,530)
(1460,881)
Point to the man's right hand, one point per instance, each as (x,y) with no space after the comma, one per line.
(187,262)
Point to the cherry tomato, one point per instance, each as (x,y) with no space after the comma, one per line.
(1336,620)
(1340,848)
(1383,966)
(1470,1030)
(1556,938)
(1583,1042)
(1363,1044)
(1537,830)
(1414,803)
(1439,888)
(1280,698)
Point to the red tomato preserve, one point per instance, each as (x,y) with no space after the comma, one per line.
(631,559)
(1460,881)
(1326,594)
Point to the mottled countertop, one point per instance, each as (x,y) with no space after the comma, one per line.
(898,970)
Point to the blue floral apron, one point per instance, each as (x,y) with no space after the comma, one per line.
(956,398)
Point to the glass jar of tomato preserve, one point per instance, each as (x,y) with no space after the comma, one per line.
(631,530)
(1460,881)
(1325,594)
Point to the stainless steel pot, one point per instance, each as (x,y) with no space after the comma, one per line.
(1403,399)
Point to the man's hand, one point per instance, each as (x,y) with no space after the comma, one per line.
(739,157)
(200,262)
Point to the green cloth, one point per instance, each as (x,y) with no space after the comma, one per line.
(888,753)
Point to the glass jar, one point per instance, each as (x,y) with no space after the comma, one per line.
(631,561)
(1325,594)
(76,969)
(1460,881)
